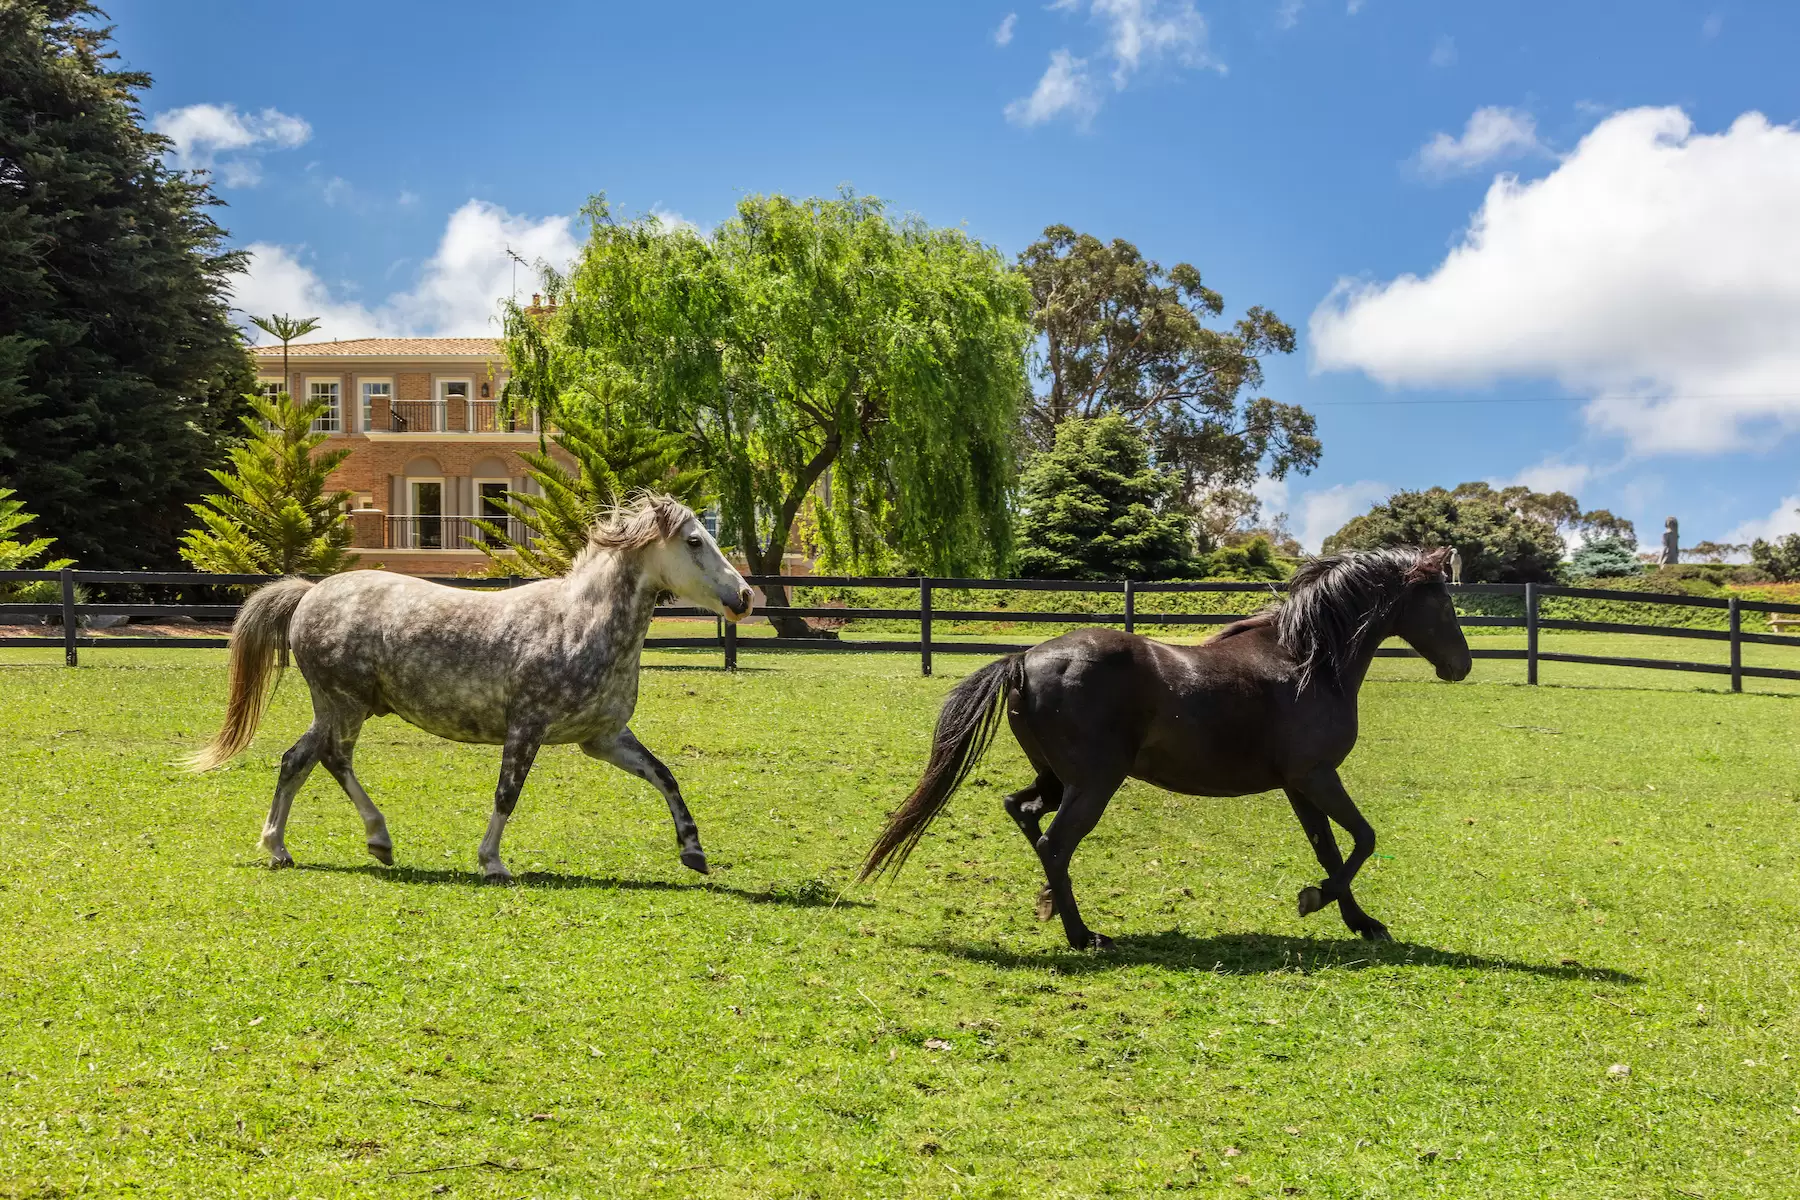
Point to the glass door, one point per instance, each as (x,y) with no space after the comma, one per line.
(428,514)
(491,495)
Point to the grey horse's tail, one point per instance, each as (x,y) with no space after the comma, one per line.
(259,646)
(965,727)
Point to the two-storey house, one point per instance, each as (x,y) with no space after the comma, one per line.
(429,445)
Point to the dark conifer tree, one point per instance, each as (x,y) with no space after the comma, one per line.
(120,370)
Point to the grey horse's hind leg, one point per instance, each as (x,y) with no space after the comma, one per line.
(337,755)
(515,764)
(296,765)
(629,754)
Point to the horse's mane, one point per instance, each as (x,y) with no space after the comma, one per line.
(644,518)
(1336,602)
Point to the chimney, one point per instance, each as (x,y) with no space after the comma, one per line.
(538,310)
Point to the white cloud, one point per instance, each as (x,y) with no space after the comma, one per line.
(407,198)
(1656,270)
(1003,36)
(1287,13)
(668,221)
(1064,88)
(1551,475)
(1783,521)
(1710,27)
(202,133)
(1492,134)
(457,292)
(1138,35)
(1443,51)
(1320,514)
(1354,7)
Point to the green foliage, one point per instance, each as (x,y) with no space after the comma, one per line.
(802,341)
(1779,559)
(1121,335)
(614,458)
(274,516)
(16,554)
(1604,557)
(1095,507)
(1505,537)
(1254,560)
(120,369)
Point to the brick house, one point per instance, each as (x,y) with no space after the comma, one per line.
(429,446)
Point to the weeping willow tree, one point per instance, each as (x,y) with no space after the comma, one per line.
(614,457)
(820,348)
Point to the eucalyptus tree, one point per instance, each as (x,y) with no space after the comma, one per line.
(1121,335)
(818,352)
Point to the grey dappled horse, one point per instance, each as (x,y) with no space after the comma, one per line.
(1269,702)
(546,663)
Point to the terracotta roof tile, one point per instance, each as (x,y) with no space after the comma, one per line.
(375,347)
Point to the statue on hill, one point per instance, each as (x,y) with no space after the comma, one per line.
(1671,543)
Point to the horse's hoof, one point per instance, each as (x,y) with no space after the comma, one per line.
(695,860)
(1046,905)
(1099,943)
(1376,932)
(1311,901)
(278,862)
(496,875)
(383,854)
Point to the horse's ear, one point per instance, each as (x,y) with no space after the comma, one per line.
(670,515)
(1431,565)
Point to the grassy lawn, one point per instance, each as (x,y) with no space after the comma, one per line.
(1583,877)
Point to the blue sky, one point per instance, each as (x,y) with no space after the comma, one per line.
(1617,323)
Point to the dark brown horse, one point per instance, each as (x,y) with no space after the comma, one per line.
(1269,702)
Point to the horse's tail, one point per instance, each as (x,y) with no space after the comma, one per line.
(259,646)
(965,727)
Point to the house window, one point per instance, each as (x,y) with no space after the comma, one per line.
(373,389)
(325,391)
(710,519)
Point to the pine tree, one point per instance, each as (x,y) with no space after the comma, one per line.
(614,458)
(275,516)
(120,369)
(16,554)
(1097,508)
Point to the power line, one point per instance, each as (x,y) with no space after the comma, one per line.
(1788,396)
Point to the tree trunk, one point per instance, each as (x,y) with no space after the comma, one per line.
(766,560)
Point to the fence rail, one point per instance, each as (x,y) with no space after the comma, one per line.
(71,612)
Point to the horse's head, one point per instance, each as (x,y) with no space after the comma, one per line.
(678,555)
(1425,619)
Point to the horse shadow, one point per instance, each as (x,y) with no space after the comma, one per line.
(810,894)
(1263,954)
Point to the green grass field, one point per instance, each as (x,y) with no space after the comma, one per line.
(1593,993)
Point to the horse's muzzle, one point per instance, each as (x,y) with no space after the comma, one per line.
(737,612)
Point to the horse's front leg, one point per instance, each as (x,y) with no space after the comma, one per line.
(628,754)
(515,764)
(1319,802)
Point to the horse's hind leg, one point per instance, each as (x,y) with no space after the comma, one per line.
(296,765)
(515,764)
(628,754)
(1320,802)
(1027,807)
(337,755)
(1081,809)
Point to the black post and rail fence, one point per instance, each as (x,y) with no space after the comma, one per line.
(75,615)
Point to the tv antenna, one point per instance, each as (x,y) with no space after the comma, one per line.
(517,263)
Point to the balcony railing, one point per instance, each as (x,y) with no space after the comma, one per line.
(416,416)
(448,533)
(486,416)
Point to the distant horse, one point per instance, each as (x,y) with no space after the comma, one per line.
(1268,702)
(546,663)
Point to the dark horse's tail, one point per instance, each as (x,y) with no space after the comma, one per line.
(965,727)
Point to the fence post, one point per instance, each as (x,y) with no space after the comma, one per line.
(1130,608)
(68,607)
(1737,646)
(1531,633)
(731,645)
(925,626)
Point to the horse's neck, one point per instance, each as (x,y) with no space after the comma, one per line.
(610,597)
(1350,678)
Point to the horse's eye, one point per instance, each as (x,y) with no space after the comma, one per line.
(694,541)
